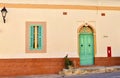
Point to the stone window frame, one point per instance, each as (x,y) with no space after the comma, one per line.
(27,36)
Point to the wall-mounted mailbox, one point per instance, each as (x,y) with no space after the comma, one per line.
(109,51)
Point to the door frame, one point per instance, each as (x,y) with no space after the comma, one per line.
(94,36)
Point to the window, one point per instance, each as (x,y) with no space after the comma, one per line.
(35,37)
(36,40)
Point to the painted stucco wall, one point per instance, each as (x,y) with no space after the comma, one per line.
(62,37)
(67,2)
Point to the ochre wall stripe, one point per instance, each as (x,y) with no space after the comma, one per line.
(52,6)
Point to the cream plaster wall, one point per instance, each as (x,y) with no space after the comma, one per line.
(108,26)
(61,32)
(69,2)
(66,2)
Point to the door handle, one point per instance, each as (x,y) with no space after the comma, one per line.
(81,45)
(89,45)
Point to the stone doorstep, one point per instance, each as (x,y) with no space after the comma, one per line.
(94,69)
(112,68)
(89,70)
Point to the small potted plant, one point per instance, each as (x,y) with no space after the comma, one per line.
(68,62)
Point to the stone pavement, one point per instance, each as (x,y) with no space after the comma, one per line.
(37,76)
(98,75)
(88,72)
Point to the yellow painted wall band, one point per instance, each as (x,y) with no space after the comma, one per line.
(53,6)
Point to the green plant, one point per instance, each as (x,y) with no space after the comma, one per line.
(68,62)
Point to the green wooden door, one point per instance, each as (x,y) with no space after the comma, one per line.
(86,43)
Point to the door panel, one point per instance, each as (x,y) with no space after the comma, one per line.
(86,49)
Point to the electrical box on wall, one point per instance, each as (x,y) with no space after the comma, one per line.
(103,14)
(64,13)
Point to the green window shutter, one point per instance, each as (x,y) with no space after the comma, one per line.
(31,37)
(40,37)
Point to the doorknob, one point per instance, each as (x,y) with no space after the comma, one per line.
(89,45)
(81,45)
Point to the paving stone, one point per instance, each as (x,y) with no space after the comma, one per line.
(89,70)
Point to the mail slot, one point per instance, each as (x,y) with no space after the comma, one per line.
(109,51)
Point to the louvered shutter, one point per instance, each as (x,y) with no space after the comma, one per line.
(31,37)
(40,37)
